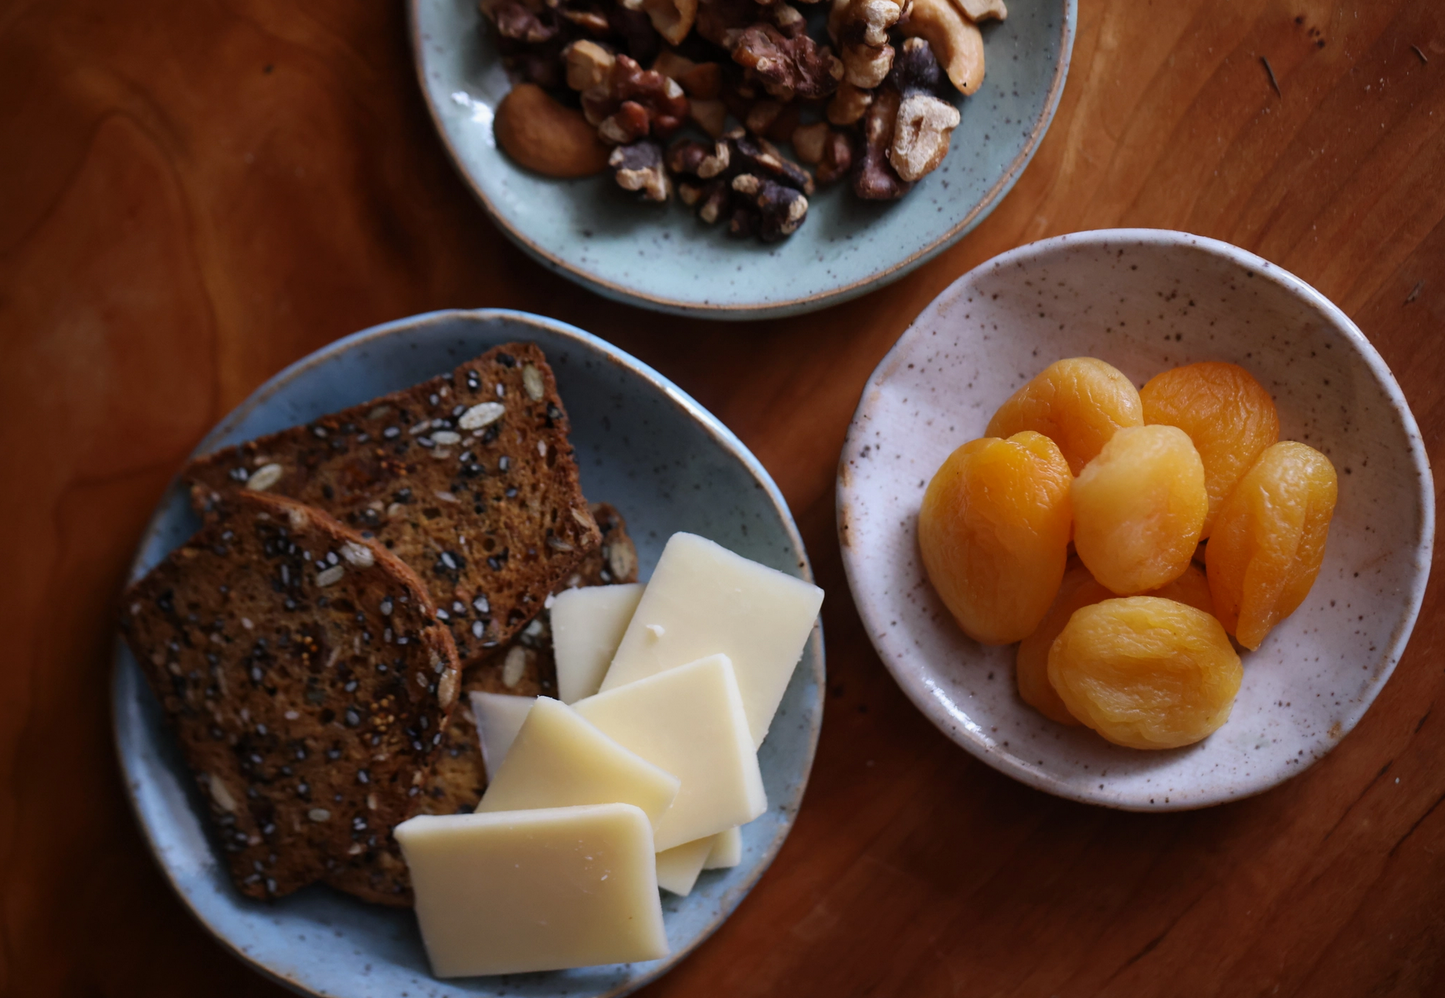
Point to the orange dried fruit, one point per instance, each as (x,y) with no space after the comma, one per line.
(1191,589)
(1079,403)
(1146,672)
(1078,590)
(1031,664)
(1138,508)
(1226,412)
(994,532)
(1269,539)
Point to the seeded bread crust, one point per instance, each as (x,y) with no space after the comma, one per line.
(458,776)
(468,478)
(306,678)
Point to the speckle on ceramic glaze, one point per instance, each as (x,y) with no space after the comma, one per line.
(642,445)
(1143,300)
(593,232)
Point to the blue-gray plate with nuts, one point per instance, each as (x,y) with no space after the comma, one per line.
(733,159)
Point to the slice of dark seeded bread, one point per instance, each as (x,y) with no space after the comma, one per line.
(458,777)
(468,478)
(307,679)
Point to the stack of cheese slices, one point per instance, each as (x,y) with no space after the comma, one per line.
(639,776)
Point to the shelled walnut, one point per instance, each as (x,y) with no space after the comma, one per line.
(787,67)
(744,180)
(722,22)
(766,208)
(631,102)
(871,104)
(860,27)
(849,104)
(925,121)
(874,178)
(828,150)
(638,167)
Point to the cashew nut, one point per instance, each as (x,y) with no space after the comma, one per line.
(954,39)
(547,137)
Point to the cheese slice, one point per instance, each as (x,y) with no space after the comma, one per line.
(499,717)
(704,599)
(517,891)
(727,850)
(688,721)
(678,867)
(587,627)
(560,760)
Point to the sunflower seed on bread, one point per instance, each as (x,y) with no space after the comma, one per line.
(468,478)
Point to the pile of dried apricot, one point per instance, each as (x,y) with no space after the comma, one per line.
(1125,634)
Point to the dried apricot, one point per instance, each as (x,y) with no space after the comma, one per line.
(1191,589)
(1138,508)
(1228,415)
(994,533)
(1146,672)
(1079,403)
(1269,539)
(1031,664)
(1078,590)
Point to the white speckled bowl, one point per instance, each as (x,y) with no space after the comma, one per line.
(1143,300)
(661,257)
(641,444)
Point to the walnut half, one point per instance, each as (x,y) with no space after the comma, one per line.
(925,121)
(638,167)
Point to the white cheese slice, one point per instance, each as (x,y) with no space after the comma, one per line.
(704,599)
(678,867)
(517,891)
(560,760)
(727,850)
(587,627)
(499,717)
(689,721)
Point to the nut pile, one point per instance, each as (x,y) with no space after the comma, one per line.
(870,101)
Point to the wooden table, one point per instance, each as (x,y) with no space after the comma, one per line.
(192,195)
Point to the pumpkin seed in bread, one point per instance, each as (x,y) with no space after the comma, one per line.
(307,679)
(468,478)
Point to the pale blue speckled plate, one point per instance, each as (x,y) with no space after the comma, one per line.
(661,257)
(644,446)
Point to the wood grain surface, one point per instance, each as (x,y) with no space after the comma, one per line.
(195,193)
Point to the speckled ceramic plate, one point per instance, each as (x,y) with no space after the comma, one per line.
(642,445)
(1143,300)
(661,257)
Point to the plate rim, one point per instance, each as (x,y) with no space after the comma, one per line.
(916,688)
(794,306)
(608,352)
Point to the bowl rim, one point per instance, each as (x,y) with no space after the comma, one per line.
(758,310)
(919,690)
(605,351)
